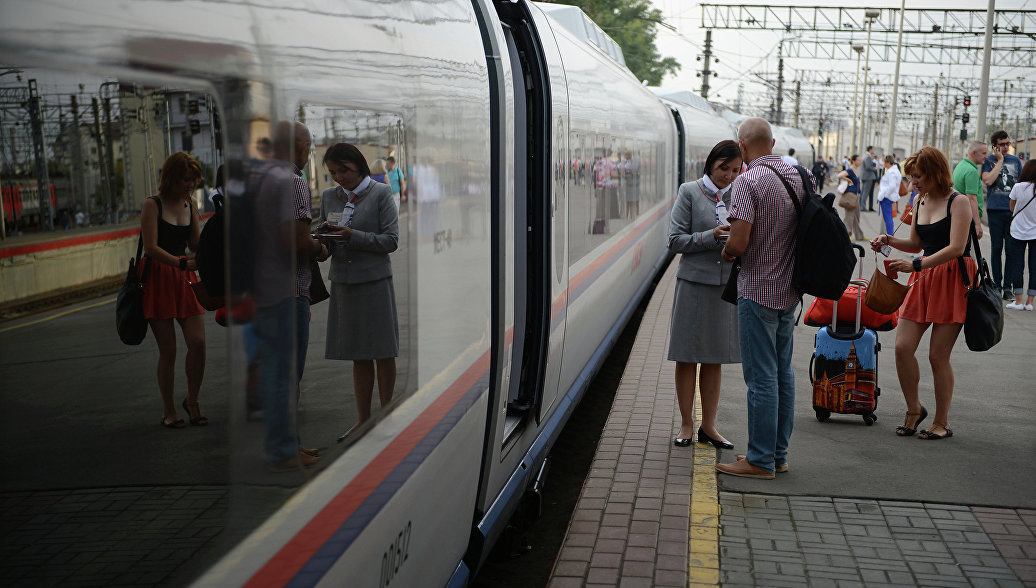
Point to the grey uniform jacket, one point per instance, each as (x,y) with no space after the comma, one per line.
(690,232)
(365,256)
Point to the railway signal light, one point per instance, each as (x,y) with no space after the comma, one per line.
(964,118)
(820,128)
(967,101)
(195,127)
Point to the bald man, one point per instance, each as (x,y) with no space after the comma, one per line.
(762,233)
(966,179)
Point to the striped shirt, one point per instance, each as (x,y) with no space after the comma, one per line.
(759,198)
(302,200)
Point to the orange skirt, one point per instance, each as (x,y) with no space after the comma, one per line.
(938,296)
(168,293)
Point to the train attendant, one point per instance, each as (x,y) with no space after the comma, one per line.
(703,334)
(168,226)
(937,298)
(888,190)
(361,325)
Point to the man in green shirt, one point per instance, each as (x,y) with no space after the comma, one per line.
(967,180)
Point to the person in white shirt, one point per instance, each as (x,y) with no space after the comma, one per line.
(1023,234)
(888,190)
(790,158)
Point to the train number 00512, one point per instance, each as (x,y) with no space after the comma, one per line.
(395,556)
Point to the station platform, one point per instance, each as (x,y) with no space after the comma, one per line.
(859,506)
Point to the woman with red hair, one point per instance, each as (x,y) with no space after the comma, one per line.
(940,231)
(168,226)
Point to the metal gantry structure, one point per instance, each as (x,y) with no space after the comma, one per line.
(948,37)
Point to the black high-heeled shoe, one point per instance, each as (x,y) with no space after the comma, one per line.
(198,421)
(703,438)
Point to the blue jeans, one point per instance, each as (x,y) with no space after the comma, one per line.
(999,232)
(283,333)
(1016,261)
(886,214)
(766,346)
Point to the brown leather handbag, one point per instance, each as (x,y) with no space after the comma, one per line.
(884,295)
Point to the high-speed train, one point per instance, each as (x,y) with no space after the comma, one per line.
(540,172)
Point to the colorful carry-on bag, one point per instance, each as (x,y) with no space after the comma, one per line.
(844,367)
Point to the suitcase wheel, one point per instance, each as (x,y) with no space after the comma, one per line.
(823,414)
(869,418)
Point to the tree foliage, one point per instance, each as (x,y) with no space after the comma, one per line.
(632,24)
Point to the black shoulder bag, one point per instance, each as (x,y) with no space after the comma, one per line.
(129,306)
(984,324)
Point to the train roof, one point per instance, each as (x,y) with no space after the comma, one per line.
(685,97)
(579,24)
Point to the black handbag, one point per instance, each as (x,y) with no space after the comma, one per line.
(730,290)
(984,324)
(129,306)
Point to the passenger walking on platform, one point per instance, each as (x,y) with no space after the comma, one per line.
(868,177)
(1023,234)
(168,226)
(888,190)
(852,203)
(283,248)
(790,158)
(703,333)
(362,325)
(999,173)
(937,297)
(967,180)
(378,171)
(820,170)
(762,232)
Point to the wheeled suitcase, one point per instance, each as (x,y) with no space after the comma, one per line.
(844,367)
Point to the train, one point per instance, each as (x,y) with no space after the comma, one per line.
(541,174)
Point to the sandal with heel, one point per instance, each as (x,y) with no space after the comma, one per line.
(905,431)
(933,436)
(198,421)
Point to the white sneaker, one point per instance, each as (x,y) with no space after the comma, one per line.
(1028,307)
(1015,306)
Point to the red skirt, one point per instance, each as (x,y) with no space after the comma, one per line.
(938,296)
(168,293)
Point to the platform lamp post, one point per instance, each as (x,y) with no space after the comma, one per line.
(870,15)
(895,81)
(856,89)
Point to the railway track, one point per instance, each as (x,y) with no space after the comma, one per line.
(28,306)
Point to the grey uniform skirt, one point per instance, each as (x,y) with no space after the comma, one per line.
(361,322)
(704,327)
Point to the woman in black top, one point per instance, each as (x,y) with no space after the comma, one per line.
(168,226)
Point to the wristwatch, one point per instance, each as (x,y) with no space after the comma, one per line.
(183,263)
(917,265)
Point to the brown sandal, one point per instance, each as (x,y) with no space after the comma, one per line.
(905,431)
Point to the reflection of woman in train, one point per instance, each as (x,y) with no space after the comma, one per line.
(361,324)
(631,182)
(703,334)
(378,173)
(168,225)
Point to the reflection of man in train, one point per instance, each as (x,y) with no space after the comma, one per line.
(283,248)
(429,192)
(395,178)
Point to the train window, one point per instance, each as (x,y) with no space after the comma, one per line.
(580,197)
(81,152)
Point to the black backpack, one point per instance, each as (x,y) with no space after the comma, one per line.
(824,257)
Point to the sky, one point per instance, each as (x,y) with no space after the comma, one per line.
(743,54)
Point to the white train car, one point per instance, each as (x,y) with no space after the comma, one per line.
(541,174)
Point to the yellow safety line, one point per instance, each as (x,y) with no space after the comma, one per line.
(703,560)
(58,315)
